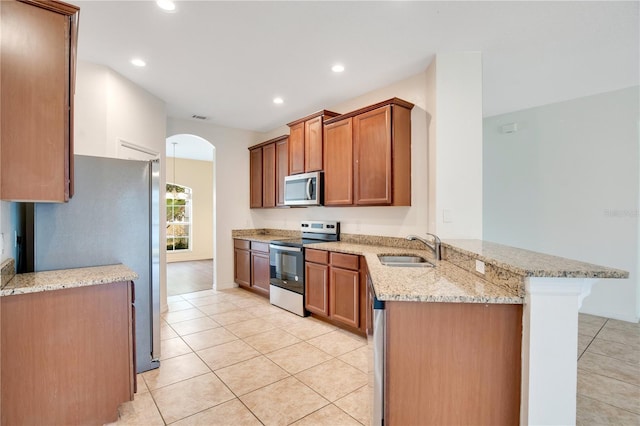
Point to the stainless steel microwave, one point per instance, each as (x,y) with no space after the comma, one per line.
(303,189)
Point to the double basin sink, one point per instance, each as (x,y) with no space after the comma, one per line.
(405,261)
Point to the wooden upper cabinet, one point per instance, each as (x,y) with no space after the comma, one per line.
(296,149)
(268,167)
(367,156)
(313,144)
(255,166)
(269,175)
(338,163)
(37,57)
(306,142)
(372,137)
(282,168)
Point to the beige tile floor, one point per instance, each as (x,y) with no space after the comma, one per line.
(608,372)
(229,357)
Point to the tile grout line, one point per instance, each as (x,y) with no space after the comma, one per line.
(592,339)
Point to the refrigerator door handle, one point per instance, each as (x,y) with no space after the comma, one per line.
(154,239)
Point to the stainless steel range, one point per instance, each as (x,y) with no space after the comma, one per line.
(287,264)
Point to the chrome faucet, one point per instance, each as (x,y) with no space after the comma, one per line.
(435,247)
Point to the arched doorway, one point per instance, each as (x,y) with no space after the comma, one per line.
(190,222)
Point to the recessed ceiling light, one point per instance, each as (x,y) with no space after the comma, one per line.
(167,5)
(337,68)
(138,62)
(278,101)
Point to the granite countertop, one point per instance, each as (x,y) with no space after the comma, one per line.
(454,279)
(67,278)
(262,238)
(529,263)
(445,282)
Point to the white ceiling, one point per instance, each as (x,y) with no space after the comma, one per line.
(228,60)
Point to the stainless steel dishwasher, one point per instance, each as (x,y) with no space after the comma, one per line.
(376,338)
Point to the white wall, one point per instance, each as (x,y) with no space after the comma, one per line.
(197,175)
(231,191)
(457,196)
(459,166)
(568,183)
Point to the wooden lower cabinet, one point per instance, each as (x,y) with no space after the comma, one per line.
(251,266)
(452,364)
(260,272)
(67,355)
(242,263)
(335,287)
(317,288)
(345,296)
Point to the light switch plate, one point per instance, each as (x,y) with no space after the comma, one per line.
(480,266)
(447,216)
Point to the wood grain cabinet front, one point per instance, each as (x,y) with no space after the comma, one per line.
(251,266)
(378,140)
(334,287)
(452,363)
(67,355)
(260,268)
(37,63)
(338,163)
(268,166)
(306,142)
(242,263)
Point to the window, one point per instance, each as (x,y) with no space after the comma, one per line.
(178,217)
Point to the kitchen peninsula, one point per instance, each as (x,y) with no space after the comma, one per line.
(529,304)
(67,344)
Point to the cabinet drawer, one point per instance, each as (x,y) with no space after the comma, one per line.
(263,247)
(346,261)
(241,244)
(316,256)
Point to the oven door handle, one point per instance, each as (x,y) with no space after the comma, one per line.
(283,248)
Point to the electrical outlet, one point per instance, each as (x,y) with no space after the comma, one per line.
(480,266)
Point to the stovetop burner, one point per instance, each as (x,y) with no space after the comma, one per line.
(313,232)
(297,242)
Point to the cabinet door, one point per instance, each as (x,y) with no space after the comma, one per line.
(260,272)
(269,175)
(313,144)
(344,296)
(317,288)
(242,267)
(37,53)
(282,169)
(372,150)
(255,159)
(296,149)
(338,163)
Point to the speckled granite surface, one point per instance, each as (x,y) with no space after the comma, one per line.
(8,268)
(529,263)
(264,235)
(67,278)
(443,283)
(454,279)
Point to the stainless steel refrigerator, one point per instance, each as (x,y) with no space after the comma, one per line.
(113,217)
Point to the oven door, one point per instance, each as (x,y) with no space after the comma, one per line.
(287,267)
